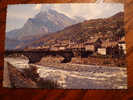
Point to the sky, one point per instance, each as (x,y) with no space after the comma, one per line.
(18,14)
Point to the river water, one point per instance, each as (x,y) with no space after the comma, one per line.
(95,77)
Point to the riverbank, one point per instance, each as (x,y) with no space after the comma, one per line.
(86,62)
(24,78)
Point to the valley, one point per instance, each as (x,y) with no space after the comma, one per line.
(56,50)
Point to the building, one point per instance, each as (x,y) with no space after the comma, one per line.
(123,46)
(54,48)
(46,47)
(101,51)
(89,47)
(107,44)
(62,48)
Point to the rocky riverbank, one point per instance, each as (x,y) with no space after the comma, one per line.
(94,61)
(24,78)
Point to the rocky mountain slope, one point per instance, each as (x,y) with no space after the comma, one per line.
(43,23)
(111,29)
(11,43)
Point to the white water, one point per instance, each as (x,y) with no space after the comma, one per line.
(94,78)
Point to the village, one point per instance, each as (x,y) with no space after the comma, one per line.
(95,45)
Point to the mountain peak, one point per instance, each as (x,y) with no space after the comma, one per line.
(47,12)
(45,22)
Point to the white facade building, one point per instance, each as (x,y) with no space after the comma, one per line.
(101,51)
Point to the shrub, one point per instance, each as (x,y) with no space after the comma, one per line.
(41,83)
(48,84)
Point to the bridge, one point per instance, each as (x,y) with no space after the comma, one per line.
(36,55)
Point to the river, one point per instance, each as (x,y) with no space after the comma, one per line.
(95,77)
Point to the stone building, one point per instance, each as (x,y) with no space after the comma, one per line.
(101,51)
(89,47)
(122,45)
